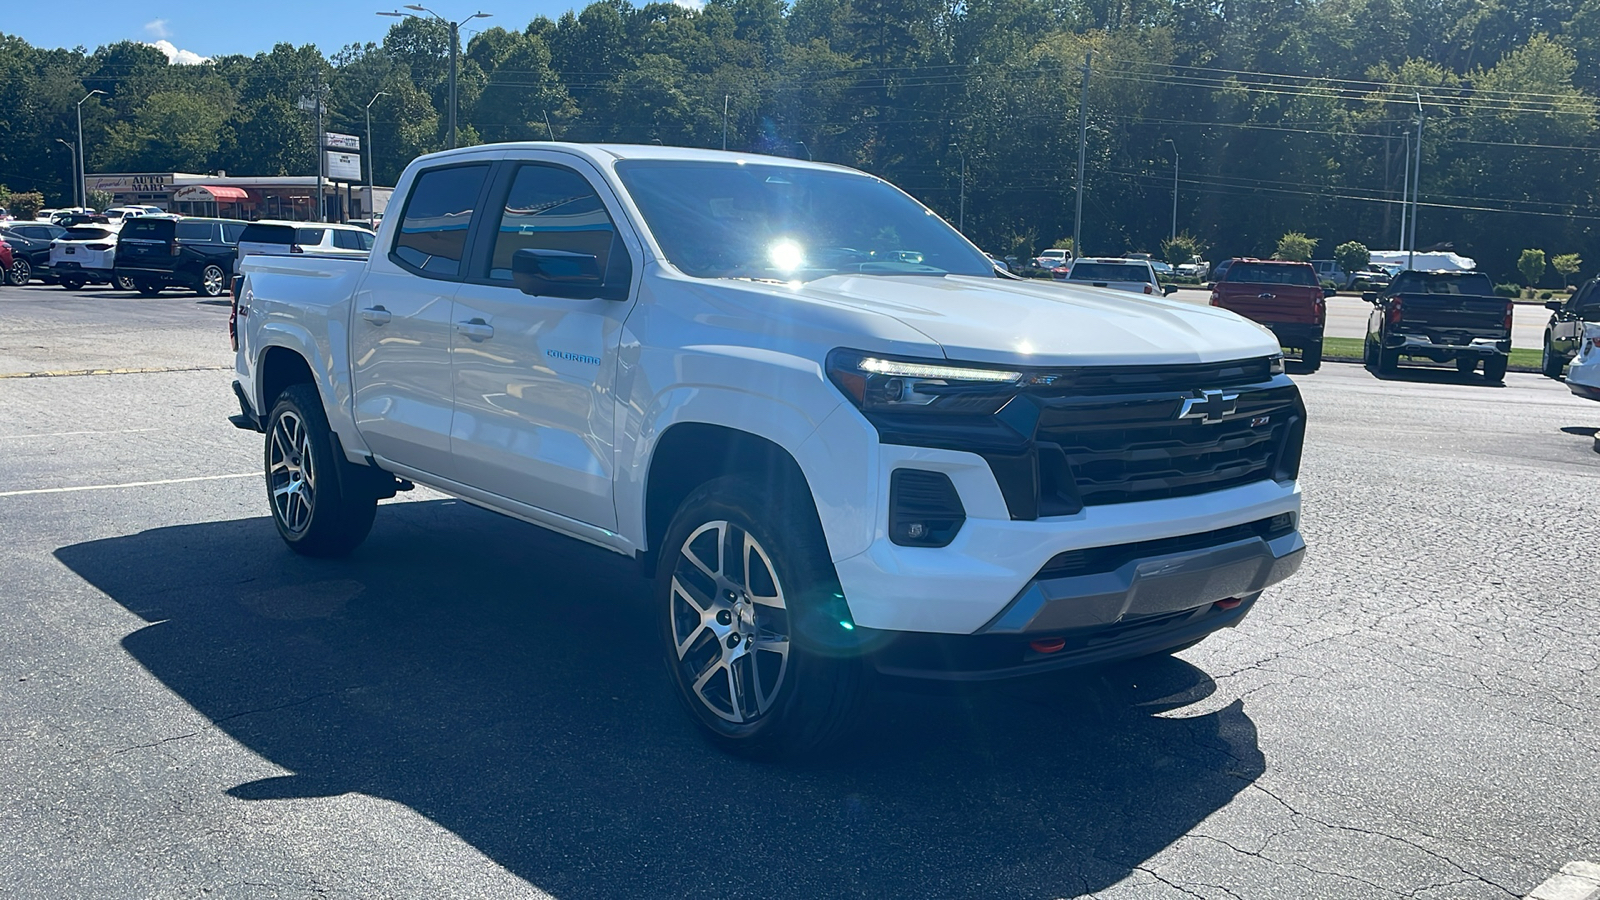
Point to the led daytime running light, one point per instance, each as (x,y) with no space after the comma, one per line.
(893,368)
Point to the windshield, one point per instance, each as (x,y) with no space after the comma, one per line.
(1093,271)
(1269,273)
(726,220)
(1471,283)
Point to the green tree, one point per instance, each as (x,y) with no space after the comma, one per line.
(1295,247)
(1179,250)
(1531,265)
(100,200)
(26,204)
(1353,256)
(1568,265)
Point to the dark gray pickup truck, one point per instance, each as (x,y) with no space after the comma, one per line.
(1439,316)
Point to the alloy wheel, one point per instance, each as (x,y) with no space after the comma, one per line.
(730,622)
(20,271)
(290,474)
(212,281)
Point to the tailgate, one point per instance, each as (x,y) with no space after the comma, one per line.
(1272,303)
(1463,315)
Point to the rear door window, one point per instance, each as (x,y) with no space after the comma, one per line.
(194,232)
(231,232)
(1264,273)
(309,237)
(432,237)
(351,240)
(258,233)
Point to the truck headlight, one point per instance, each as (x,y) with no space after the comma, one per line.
(1275,365)
(886,384)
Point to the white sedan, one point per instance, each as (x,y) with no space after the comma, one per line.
(1134,275)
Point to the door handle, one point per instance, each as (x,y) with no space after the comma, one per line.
(476,329)
(1267,297)
(377,315)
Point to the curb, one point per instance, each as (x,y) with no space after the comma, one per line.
(1356,360)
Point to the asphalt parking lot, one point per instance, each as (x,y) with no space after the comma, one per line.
(471,707)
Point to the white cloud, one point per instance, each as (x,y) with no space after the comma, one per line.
(157,29)
(690,4)
(179,57)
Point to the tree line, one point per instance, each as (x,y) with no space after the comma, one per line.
(1275,117)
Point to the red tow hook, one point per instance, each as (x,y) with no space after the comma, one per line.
(1229,603)
(1047,645)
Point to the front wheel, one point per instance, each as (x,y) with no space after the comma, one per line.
(122,282)
(19,273)
(1494,369)
(147,288)
(320,509)
(757,636)
(212,282)
(1550,363)
(72,283)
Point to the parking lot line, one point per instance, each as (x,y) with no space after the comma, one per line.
(1576,881)
(55,434)
(129,484)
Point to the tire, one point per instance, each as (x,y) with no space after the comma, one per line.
(1311,357)
(1467,364)
(319,506)
(122,282)
(793,680)
(73,283)
(1369,355)
(1494,369)
(147,288)
(1549,363)
(1388,361)
(213,282)
(20,272)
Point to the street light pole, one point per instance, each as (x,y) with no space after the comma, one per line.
(1174,189)
(83,187)
(1416,190)
(372,177)
(455,40)
(72,150)
(1083,147)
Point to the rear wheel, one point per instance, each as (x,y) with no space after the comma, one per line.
(318,504)
(1388,361)
(1494,369)
(1466,364)
(1549,362)
(20,272)
(1311,357)
(212,282)
(122,282)
(755,630)
(72,282)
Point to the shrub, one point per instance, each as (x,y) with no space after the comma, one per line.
(1329,283)
(1353,256)
(1181,249)
(1531,265)
(1295,247)
(1544,295)
(1508,290)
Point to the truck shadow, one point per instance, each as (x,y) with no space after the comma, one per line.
(1436,375)
(506,684)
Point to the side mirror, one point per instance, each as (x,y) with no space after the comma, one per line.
(1328,292)
(1553,305)
(562,273)
(1370,297)
(1169,290)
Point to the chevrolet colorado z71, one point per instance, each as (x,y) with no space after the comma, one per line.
(841,443)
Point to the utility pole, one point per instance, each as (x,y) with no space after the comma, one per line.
(83,175)
(1083,147)
(1416,189)
(1174,188)
(547,125)
(322,155)
(724,121)
(72,150)
(961,214)
(1405,193)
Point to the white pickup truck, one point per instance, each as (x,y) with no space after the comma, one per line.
(844,447)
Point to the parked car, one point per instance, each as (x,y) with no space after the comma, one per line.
(1330,270)
(1441,316)
(125,212)
(274,238)
(7,261)
(833,465)
(87,254)
(1371,277)
(1221,270)
(1583,378)
(160,251)
(1284,296)
(1161,267)
(1134,275)
(1564,333)
(30,249)
(1052,259)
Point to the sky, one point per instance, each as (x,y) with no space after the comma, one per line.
(194,29)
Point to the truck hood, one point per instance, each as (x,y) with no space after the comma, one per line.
(1009,322)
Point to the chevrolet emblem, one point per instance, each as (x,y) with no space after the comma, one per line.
(1210,407)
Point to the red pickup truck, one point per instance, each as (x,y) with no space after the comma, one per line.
(1284,296)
